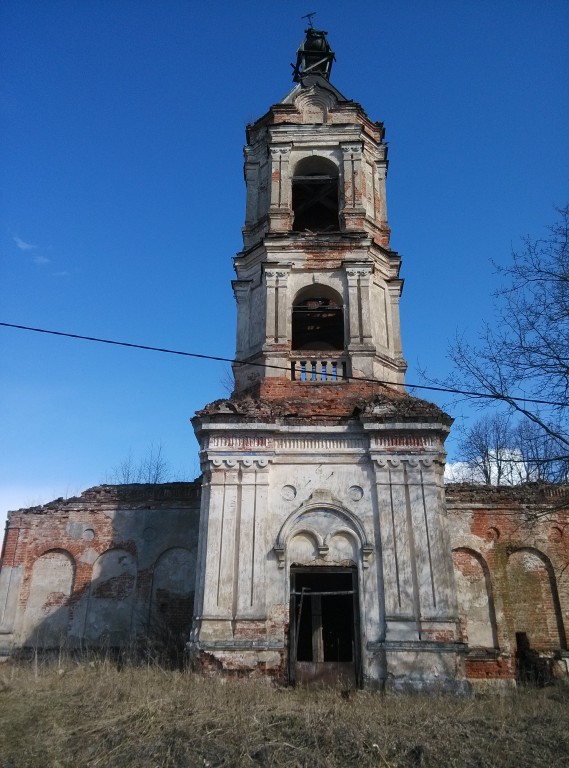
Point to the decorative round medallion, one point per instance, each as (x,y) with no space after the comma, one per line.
(355,493)
(149,533)
(89,534)
(493,534)
(556,533)
(288,492)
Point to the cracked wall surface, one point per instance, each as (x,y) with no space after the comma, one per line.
(105,567)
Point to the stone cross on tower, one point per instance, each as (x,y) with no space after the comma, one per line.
(323,545)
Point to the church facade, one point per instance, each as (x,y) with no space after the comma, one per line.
(320,543)
(116,568)
(323,541)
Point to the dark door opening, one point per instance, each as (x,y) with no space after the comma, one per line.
(324,634)
(531,667)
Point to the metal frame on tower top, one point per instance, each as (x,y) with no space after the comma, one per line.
(314,56)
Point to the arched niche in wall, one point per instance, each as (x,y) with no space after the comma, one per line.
(111,598)
(533,601)
(475,598)
(314,104)
(322,531)
(315,195)
(304,546)
(173,587)
(317,319)
(46,615)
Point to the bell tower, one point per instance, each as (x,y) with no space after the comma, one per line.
(317,285)
(323,550)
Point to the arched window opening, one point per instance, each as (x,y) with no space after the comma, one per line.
(46,615)
(475,598)
(318,321)
(315,195)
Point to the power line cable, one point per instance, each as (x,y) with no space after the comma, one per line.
(431,388)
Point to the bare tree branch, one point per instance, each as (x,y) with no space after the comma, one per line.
(152,468)
(524,353)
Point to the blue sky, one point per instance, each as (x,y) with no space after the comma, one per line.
(123,197)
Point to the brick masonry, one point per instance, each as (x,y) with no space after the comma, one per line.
(110,566)
(511,557)
(302,467)
(107,565)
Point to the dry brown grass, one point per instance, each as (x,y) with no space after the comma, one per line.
(91,714)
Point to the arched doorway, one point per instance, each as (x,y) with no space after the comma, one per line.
(324,546)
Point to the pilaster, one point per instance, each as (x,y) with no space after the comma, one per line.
(251,594)
(380,194)
(280,204)
(401,609)
(276,282)
(241,291)
(353,212)
(233,553)
(252,183)
(394,288)
(419,593)
(358,278)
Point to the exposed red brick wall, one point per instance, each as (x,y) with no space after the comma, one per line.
(338,400)
(490,669)
(512,541)
(530,605)
(467,565)
(84,528)
(234,665)
(117,587)
(522,535)
(175,611)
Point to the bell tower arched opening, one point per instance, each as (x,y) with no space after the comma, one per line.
(318,320)
(315,198)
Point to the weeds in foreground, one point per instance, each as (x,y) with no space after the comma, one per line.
(95,713)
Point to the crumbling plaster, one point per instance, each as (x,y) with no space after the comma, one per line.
(48,572)
(88,570)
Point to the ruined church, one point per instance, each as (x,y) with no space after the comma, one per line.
(319,543)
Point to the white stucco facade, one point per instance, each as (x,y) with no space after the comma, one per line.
(323,533)
(366,496)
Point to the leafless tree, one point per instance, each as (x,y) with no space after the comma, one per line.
(541,457)
(486,449)
(227,381)
(151,468)
(497,450)
(524,355)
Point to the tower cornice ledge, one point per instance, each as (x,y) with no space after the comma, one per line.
(291,242)
(280,401)
(398,427)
